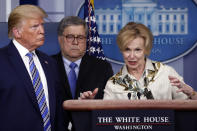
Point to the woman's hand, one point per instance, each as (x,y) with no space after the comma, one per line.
(189,91)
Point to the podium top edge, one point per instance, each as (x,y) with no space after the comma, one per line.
(129,104)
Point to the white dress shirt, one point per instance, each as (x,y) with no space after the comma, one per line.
(23,51)
(160,87)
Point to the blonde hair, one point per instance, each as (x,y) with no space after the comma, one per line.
(22,12)
(130,32)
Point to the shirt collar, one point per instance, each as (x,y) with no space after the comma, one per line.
(67,62)
(149,65)
(21,49)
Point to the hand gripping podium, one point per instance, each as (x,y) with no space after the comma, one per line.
(134,115)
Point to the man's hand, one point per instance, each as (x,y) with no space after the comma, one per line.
(89,94)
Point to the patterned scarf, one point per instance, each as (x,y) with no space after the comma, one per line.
(131,84)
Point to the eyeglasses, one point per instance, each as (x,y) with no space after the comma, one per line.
(71,38)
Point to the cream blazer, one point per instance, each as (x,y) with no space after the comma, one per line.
(161,88)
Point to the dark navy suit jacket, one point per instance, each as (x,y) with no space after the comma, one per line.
(93,73)
(18,104)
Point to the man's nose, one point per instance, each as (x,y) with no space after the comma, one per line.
(41,29)
(75,40)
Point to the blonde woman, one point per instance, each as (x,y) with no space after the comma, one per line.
(140,77)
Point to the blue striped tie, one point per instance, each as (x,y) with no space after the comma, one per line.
(72,78)
(39,91)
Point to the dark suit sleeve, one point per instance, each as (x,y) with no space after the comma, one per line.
(61,120)
(107,73)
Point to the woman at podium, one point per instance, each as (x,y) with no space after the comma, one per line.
(140,77)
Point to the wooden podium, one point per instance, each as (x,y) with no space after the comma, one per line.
(185,111)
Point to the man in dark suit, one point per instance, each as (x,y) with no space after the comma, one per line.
(91,74)
(29,99)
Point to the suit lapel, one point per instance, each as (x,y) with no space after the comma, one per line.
(22,72)
(50,83)
(83,72)
(63,76)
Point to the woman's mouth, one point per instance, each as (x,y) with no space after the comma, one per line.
(132,62)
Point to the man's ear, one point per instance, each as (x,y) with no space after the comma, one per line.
(16,32)
(60,39)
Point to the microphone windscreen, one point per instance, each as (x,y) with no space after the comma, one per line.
(138,95)
(129,95)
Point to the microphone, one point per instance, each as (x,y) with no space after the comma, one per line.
(148,94)
(138,95)
(129,95)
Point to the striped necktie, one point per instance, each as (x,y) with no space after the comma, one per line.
(72,78)
(39,91)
